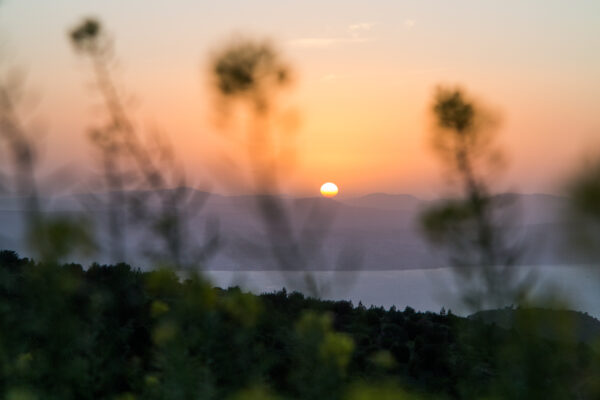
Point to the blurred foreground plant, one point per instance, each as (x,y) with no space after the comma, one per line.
(248,76)
(50,237)
(130,161)
(467,227)
(480,244)
(583,213)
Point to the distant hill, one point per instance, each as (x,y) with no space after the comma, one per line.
(382,228)
(384,201)
(551,324)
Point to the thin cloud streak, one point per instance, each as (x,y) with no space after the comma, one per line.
(356,29)
(316,42)
(354,35)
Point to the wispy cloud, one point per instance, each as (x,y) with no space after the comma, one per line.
(321,42)
(354,34)
(360,27)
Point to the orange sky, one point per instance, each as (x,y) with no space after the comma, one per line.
(366,72)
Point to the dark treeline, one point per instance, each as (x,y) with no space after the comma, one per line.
(116,332)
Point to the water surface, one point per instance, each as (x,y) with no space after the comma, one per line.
(421,289)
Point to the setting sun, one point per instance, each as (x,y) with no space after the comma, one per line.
(329,189)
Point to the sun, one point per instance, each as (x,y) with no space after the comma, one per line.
(329,189)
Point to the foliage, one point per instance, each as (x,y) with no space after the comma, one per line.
(111,331)
(583,213)
(251,70)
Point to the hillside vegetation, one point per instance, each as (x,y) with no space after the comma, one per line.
(115,332)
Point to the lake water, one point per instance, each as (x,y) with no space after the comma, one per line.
(421,289)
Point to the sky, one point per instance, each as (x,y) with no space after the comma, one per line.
(365,75)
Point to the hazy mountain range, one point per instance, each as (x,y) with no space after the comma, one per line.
(374,232)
